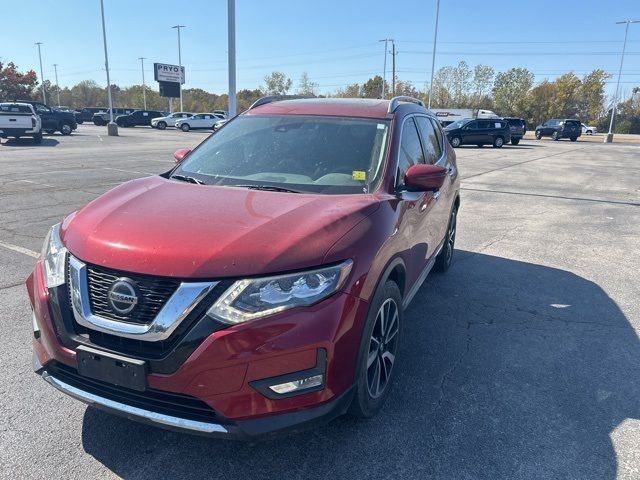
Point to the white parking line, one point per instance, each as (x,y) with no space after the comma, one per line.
(35,183)
(19,249)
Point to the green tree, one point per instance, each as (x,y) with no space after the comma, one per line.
(538,103)
(591,96)
(443,87)
(461,76)
(277,83)
(372,88)
(353,90)
(306,86)
(481,84)
(510,89)
(16,85)
(565,101)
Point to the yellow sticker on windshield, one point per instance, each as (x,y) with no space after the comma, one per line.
(359,175)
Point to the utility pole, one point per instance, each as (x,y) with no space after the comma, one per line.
(384,68)
(433,56)
(180,62)
(144,87)
(231,40)
(609,137)
(55,68)
(44,95)
(112,128)
(393,58)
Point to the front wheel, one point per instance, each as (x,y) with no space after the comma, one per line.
(498,142)
(515,141)
(573,139)
(443,260)
(378,351)
(538,135)
(185,127)
(161,125)
(456,142)
(555,136)
(65,129)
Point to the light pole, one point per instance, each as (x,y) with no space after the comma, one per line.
(178,27)
(112,128)
(231,40)
(384,68)
(433,57)
(393,67)
(609,137)
(144,88)
(55,68)
(44,95)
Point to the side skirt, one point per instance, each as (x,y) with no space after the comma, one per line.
(423,276)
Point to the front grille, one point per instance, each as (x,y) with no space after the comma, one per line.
(168,403)
(154,293)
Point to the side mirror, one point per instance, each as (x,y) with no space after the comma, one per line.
(180,155)
(423,177)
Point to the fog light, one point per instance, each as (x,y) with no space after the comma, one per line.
(36,329)
(297,385)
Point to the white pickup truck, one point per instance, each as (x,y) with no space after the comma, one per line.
(20,120)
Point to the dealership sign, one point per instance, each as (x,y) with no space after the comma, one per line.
(168,73)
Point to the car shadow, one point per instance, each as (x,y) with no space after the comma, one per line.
(508,370)
(28,142)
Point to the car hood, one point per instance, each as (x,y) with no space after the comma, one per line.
(164,227)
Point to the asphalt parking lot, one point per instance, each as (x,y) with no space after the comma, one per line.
(522,361)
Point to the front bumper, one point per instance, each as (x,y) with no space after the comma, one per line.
(224,371)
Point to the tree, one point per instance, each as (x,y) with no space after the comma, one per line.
(15,85)
(306,86)
(482,83)
(442,87)
(538,103)
(460,84)
(565,101)
(510,89)
(372,88)
(277,83)
(591,96)
(404,87)
(353,90)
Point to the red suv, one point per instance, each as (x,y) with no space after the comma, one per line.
(259,286)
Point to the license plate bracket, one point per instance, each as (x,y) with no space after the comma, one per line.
(109,367)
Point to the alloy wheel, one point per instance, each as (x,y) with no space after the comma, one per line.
(382,348)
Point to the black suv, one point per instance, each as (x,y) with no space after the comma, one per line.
(54,120)
(517,127)
(558,128)
(486,131)
(137,118)
(86,114)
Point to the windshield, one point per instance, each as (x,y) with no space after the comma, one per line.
(320,154)
(456,124)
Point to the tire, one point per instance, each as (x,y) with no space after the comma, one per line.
(50,132)
(573,139)
(161,125)
(515,141)
(456,142)
(185,127)
(498,142)
(65,128)
(37,138)
(370,392)
(538,135)
(555,136)
(589,132)
(443,260)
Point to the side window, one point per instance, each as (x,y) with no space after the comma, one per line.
(410,149)
(430,141)
(40,109)
(471,126)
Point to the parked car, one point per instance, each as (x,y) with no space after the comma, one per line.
(200,120)
(219,124)
(221,113)
(86,114)
(52,120)
(588,130)
(20,120)
(138,118)
(102,118)
(169,120)
(259,285)
(558,128)
(479,132)
(517,128)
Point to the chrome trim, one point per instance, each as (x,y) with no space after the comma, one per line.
(128,410)
(179,305)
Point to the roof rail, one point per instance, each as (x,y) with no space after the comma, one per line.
(393,104)
(277,98)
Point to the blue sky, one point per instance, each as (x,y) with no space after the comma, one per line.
(336,42)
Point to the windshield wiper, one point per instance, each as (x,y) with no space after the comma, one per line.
(186,178)
(270,188)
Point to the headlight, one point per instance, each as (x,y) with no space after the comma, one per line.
(53,258)
(250,299)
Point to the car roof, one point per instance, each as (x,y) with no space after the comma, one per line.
(339,107)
